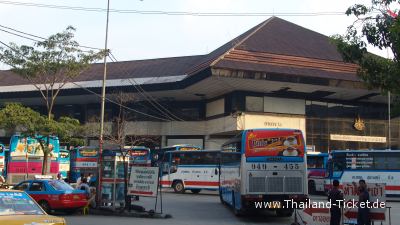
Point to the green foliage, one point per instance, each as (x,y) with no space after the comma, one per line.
(15,117)
(49,64)
(378,26)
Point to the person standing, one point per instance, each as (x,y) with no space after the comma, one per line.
(84,186)
(79,180)
(363,210)
(335,197)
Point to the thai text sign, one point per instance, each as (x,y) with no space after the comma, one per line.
(143,181)
(376,205)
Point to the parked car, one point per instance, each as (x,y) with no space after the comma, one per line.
(18,208)
(54,194)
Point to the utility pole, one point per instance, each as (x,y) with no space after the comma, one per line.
(103,98)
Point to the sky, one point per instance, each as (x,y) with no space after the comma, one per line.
(137,36)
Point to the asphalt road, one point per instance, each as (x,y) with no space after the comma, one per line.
(202,209)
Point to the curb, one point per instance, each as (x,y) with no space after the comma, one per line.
(136,214)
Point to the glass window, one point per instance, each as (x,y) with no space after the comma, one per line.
(60,185)
(15,203)
(393,162)
(37,186)
(254,104)
(380,162)
(230,157)
(22,187)
(315,162)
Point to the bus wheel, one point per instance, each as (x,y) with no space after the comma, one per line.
(195,191)
(178,187)
(311,187)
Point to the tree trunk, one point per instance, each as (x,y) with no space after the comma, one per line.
(45,158)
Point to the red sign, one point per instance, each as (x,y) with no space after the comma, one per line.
(274,143)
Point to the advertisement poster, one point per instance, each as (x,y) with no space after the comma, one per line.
(143,181)
(274,143)
(30,147)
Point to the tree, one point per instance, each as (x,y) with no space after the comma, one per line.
(14,117)
(118,136)
(377,25)
(49,64)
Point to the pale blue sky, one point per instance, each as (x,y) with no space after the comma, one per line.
(134,36)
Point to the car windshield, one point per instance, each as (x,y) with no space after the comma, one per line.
(60,185)
(18,203)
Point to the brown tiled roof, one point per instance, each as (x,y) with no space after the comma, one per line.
(274,45)
(120,70)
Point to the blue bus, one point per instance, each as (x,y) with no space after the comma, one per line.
(157,155)
(84,161)
(263,165)
(64,162)
(316,169)
(139,156)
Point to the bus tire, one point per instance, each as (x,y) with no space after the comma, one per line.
(45,206)
(311,187)
(195,191)
(284,212)
(178,187)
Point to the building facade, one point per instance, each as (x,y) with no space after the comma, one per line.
(276,75)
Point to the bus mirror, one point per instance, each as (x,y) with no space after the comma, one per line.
(216,171)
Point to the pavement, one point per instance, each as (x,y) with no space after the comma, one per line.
(202,209)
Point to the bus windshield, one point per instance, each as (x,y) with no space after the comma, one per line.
(315,162)
(274,143)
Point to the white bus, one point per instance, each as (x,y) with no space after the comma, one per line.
(190,170)
(373,166)
(263,165)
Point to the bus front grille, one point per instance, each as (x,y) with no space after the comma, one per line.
(293,185)
(256,184)
(274,184)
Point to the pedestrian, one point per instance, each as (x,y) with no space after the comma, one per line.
(89,178)
(84,186)
(363,210)
(79,180)
(59,177)
(335,197)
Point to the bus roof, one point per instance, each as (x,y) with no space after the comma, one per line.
(364,151)
(188,151)
(318,153)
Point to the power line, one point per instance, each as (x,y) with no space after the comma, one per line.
(23,34)
(123,106)
(173,13)
(149,97)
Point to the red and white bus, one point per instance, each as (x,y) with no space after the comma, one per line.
(373,166)
(26,157)
(191,170)
(316,169)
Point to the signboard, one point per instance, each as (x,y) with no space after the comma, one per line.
(377,198)
(30,147)
(143,181)
(315,216)
(88,152)
(373,139)
(274,143)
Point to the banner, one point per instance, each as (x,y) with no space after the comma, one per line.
(143,181)
(377,199)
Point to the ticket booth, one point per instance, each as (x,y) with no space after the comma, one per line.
(112,180)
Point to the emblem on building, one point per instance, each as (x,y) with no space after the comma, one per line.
(359,124)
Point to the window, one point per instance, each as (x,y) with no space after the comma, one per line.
(37,186)
(315,162)
(22,187)
(60,185)
(197,158)
(230,158)
(254,104)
